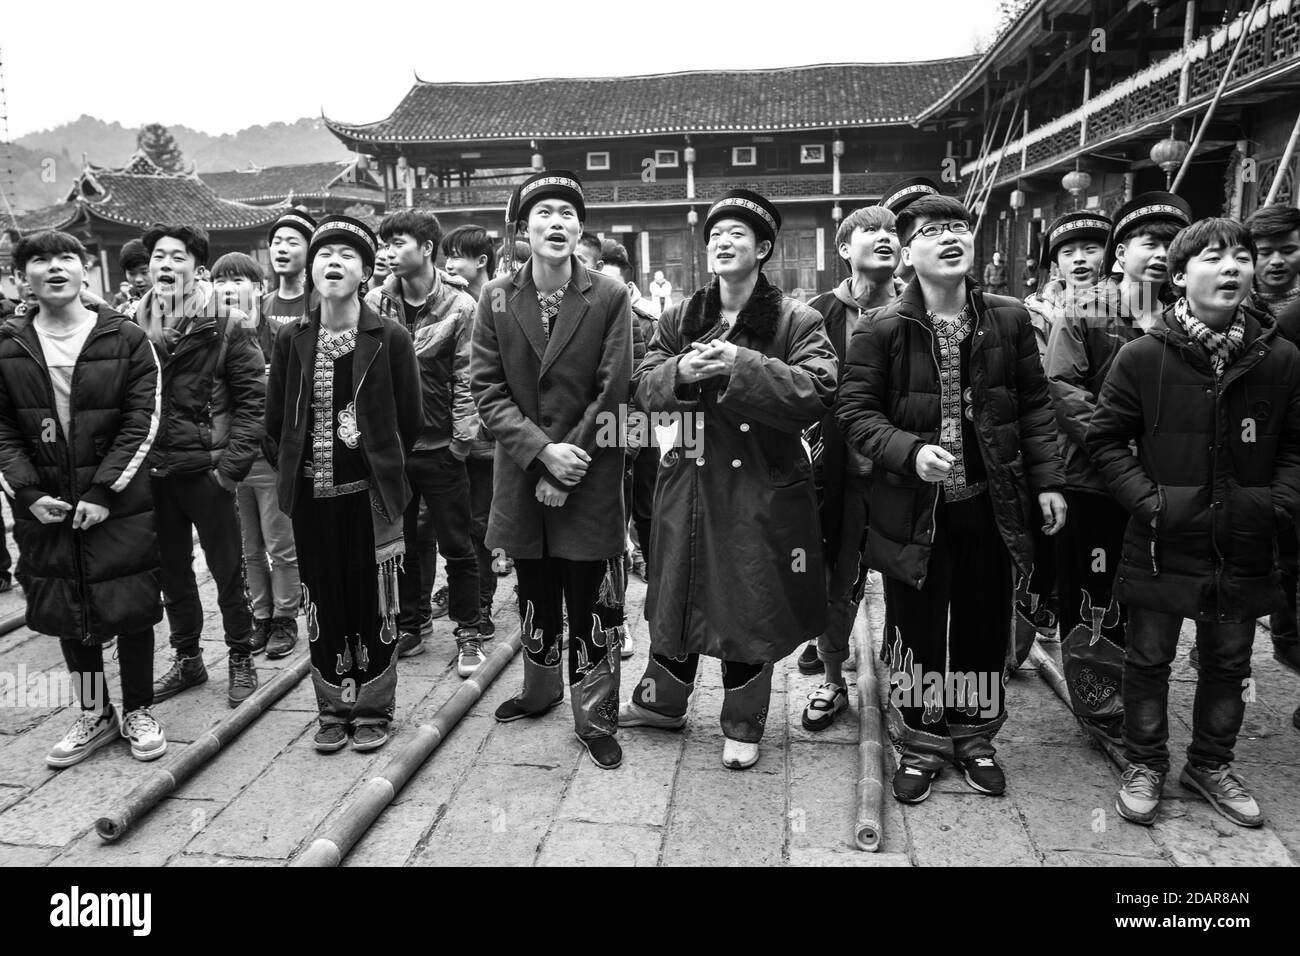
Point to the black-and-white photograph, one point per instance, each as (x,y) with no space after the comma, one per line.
(806,435)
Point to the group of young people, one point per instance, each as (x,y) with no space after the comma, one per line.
(1121,450)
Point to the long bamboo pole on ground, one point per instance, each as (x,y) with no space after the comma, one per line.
(1050,672)
(167,778)
(868,827)
(1282,165)
(330,847)
(12,622)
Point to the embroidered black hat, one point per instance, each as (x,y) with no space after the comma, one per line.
(752,208)
(294,219)
(132,256)
(1074,227)
(552,184)
(354,232)
(898,196)
(1149,207)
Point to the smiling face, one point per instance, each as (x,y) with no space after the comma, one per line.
(1144,258)
(944,258)
(1216,280)
(171,266)
(553,229)
(338,271)
(872,250)
(1278,265)
(735,249)
(1080,262)
(55,278)
(288,251)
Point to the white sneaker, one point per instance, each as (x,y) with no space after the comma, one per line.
(145,733)
(90,732)
(632,714)
(738,755)
(469,655)
(625,649)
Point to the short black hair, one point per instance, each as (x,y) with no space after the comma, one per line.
(471,241)
(237,265)
(930,207)
(1161,230)
(868,219)
(48,242)
(1275,220)
(424,226)
(195,239)
(614,253)
(591,241)
(1204,233)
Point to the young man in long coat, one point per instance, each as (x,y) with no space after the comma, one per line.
(737,572)
(552,359)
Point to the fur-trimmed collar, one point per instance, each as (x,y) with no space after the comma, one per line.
(759,317)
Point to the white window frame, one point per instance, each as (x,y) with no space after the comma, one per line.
(804,154)
(592,166)
(662,160)
(736,152)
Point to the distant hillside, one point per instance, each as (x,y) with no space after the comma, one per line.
(111,144)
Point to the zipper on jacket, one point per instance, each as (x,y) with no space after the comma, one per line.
(938,485)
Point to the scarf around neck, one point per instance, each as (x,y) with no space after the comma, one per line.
(1222,348)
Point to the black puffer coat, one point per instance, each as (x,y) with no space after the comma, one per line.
(93,584)
(889,406)
(1217,471)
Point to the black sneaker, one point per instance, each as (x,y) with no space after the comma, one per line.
(243,679)
(1287,653)
(284,637)
(261,634)
(604,751)
(486,626)
(809,662)
(331,738)
(912,784)
(439,603)
(983,775)
(409,643)
(185,672)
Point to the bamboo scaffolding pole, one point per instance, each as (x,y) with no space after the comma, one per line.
(977,181)
(1218,94)
(1050,672)
(330,847)
(13,622)
(992,180)
(1282,164)
(868,826)
(132,808)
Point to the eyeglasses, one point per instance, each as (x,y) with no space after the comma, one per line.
(933,230)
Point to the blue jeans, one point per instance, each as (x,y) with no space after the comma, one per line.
(1220,702)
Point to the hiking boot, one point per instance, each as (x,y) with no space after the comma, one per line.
(823,704)
(912,784)
(1226,792)
(184,673)
(410,644)
(141,728)
(243,679)
(983,775)
(469,651)
(369,737)
(261,634)
(809,662)
(1139,797)
(440,603)
(633,714)
(486,626)
(330,738)
(603,750)
(88,733)
(284,637)
(738,754)
(1287,653)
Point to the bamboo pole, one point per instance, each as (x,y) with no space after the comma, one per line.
(868,827)
(1002,154)
(1223,83)
(1284,162)
(165,779)
(13,622)
(1051,673)
(330,847)
(978,179)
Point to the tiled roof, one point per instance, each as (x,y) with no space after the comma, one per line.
(143,200)
(303,180)
(791,98)
(48,217)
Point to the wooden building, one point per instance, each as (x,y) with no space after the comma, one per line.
(348,187)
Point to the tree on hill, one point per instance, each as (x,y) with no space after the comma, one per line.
(160,146)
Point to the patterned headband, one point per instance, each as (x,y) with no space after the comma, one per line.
(907,191)
(332,224)
(1154,209)
(744,204)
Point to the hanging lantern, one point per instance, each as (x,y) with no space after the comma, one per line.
(538,165)
(689,155)
(692,218)
(1076,182)
(1017,199)
(837,213)
(1169,154)
(837,148)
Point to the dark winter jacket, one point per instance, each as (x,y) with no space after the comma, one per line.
(738,571)
(387,396)
(213,398)
(97,583)
(890,406)
(1217,470)
(443,330)
(532,390)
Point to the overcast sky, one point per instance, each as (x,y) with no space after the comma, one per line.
(219,67)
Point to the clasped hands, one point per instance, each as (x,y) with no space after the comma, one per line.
(706,360)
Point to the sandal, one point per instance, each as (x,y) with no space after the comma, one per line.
(823,704)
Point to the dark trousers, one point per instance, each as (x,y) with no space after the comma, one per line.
(845,580)
(5,560)
(439,478)
(1220,702)
(183,504)
(1089,551)
(1283,623)
(135,657)
(946,643)
(746,693)
(641,493)
(480,506)
(546,587)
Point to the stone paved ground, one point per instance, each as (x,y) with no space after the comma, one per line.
(525,793)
